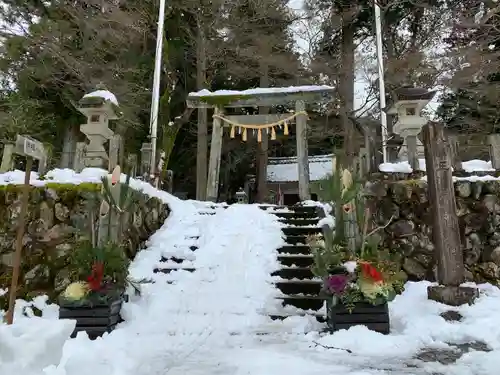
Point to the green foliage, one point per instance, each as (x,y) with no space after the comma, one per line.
(121,203)
(345,192)
(83,257)
(324,258)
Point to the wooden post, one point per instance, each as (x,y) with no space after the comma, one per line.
(456,163)
(302,152)
(146,151)
(6,166)
(494,142)
(132,164)
(114,151)
(445,229)
(371,149)
(42,165)
(169,186)
(79,159)
(411,149)
(19,241)
(215,156)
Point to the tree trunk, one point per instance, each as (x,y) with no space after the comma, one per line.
(202,136)
(346,86)
(262,147)
(392,152)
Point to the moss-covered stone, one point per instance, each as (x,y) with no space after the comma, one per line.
(59,219)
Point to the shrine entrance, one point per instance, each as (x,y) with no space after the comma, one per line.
(261,126)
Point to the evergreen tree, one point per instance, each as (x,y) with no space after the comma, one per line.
(472,104)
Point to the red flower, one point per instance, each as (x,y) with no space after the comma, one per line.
(95,279)
(371,272)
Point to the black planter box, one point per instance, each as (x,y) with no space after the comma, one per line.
(94,319)
(375,318)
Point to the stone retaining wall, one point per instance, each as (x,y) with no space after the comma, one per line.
(409,231)
(59,218)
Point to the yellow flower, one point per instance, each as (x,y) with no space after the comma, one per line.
(346,181)
(371,290)
(76,291)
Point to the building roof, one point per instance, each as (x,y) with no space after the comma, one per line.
(286,170)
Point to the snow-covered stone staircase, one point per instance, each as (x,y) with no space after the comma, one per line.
(300,289)
(171,264)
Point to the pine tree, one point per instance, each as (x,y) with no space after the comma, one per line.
(472,104)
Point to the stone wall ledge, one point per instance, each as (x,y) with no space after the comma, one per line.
(402,176)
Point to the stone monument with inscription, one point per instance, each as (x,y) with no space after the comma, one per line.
(99,107)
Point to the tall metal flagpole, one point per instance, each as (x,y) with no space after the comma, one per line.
(153,122)
(380,63)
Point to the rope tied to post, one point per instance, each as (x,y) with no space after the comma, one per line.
(242,129)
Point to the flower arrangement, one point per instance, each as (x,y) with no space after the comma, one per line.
(361,281)
(352,265)
(100,275)
(374,278)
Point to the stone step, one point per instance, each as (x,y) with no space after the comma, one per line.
(308,209)
(303,302)
(301,273)
(293,287)
(296,240)
(294,249)
(173,259)
(169,270)
(301,231)
(319,317)
(300,222)
(299,260)
(295,215)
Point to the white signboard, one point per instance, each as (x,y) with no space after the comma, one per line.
(30,147)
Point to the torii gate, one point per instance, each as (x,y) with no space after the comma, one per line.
(298,96)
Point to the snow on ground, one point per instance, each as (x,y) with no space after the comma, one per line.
(213,322)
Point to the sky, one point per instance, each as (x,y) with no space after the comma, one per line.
(306,32)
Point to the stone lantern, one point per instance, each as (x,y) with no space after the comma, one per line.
(241,196)
(99,107)
(408,106)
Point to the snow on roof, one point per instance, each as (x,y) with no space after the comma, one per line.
(105,94)
(285,169)
(468,166)
(262,91)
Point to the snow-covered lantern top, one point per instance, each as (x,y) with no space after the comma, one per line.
(408,106)
(99,106)
(241,196)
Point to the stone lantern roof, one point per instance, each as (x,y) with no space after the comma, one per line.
(409,95)
(413,93)
(100,101)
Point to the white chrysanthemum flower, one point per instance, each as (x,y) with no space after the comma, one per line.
(76,291)
(350,266)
